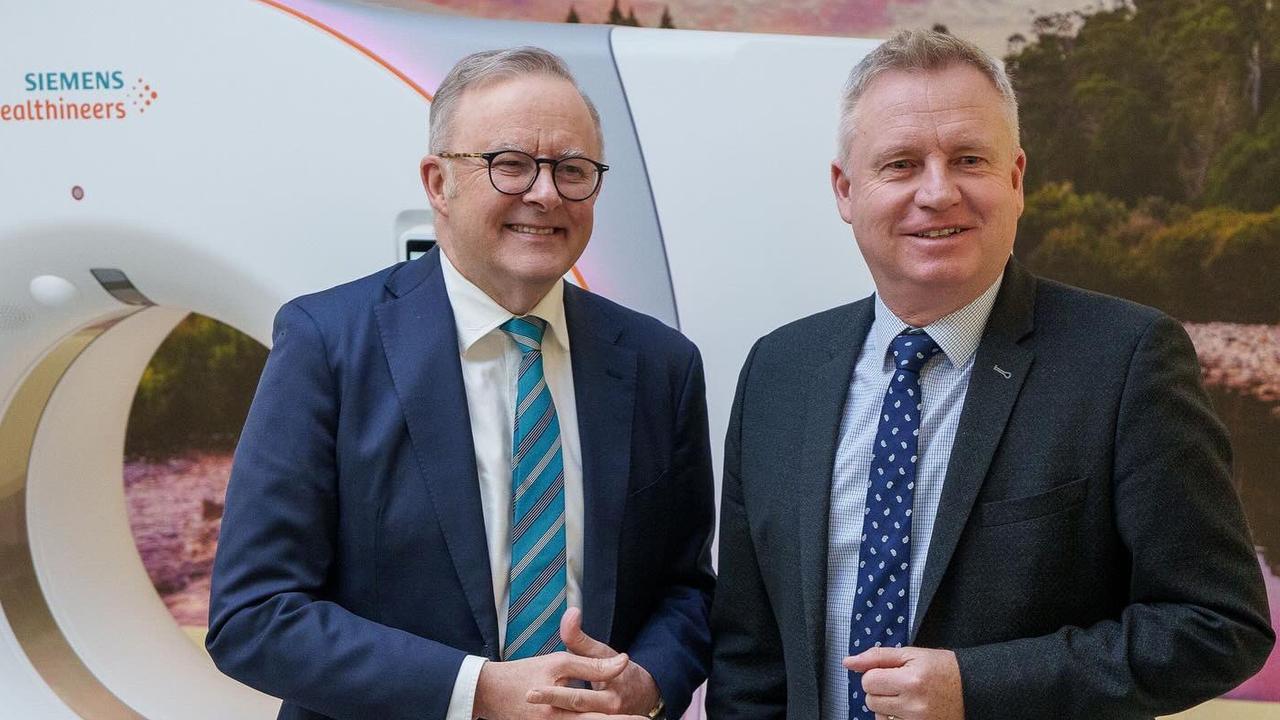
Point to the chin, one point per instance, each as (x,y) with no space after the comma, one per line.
(539,273)
(940,275)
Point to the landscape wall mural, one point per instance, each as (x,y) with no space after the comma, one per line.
(1152,129)
(186,418)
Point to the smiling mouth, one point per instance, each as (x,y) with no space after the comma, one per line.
(944,232)
(531,230)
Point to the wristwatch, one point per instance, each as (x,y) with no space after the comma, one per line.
(659,711)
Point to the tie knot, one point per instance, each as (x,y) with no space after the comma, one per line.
(526,331)
(912,350)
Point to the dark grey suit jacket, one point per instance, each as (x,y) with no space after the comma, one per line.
(1089,559)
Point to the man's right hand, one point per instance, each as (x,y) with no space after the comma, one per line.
(503,689)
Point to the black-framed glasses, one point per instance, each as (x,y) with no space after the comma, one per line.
(513,172)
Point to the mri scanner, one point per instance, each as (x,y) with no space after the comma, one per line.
(161,158)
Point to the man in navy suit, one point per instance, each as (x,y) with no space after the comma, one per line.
(465,488)
(976,494)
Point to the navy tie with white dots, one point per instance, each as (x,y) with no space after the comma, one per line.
(881,602)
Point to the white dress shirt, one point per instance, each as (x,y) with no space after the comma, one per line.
(490,363)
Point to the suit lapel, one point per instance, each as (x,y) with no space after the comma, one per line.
(604,382)
(999,370)
(827,390)
(421,345)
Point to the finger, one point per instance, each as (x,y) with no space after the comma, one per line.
(592,669)
(578,642)
(575,699)
(881,657)
(882,681)
(884,706)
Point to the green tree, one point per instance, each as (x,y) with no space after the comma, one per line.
(1058,205)
(195,392)
(1144,98)
(1217,264)
(1086,86)
(1203,48)
(1152,130)
(1048,117)
(666,21)
(1246,174)
(1073,238)
(1017,43)
(1241,273)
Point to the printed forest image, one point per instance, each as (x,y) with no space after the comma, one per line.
(183,426)
(1152,131)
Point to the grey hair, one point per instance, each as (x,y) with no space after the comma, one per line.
(915,50)
(482,68)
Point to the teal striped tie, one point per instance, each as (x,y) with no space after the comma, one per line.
(537,588)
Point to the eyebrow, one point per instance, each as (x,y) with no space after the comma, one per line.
(501,146)
(974,146)
(565,153)
(962,148)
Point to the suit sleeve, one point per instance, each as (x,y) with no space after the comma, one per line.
(675,645)
(748,675)
(268,626)
(1196,623)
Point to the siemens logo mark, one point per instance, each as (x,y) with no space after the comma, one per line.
(85,80)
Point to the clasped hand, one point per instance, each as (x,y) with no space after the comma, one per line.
(910,683)
(537,688)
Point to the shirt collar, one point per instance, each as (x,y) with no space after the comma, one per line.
(958,333)
(475,314)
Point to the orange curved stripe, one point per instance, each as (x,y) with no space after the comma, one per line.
(577,275)
(366,51)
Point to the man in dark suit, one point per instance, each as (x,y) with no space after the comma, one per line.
(463,484)
(977,493)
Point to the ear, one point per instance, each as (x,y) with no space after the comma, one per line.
(842,188)
(1018,176)
(431,170)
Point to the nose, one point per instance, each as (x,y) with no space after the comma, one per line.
(938,190)
(543,192)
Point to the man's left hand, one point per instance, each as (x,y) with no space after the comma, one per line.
(910,683)
(632,693)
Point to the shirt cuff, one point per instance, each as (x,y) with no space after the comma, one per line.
(462,701)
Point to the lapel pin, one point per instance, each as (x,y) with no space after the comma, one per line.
(1005,373)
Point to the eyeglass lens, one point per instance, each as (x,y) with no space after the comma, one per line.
(514,172)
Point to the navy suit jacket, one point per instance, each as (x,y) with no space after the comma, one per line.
(352,574)
(1089,559)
